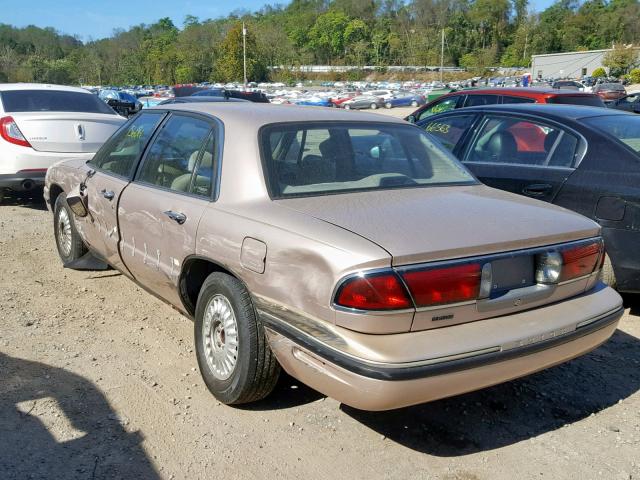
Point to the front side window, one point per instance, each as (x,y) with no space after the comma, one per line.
(121,152)
(15,101)
(316,159)
(442,106)
(175,154)
(523,142)
(449,130)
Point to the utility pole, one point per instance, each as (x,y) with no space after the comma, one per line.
(442,56)
(244,53)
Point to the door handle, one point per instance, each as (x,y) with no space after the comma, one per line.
(177,217)
(108,194)
(537,189)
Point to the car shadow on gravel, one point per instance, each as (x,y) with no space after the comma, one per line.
(56,424)
(288,393)
(32,199)
(632,302)
(518,410)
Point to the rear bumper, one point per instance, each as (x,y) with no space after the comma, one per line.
(23,181)
(382,386)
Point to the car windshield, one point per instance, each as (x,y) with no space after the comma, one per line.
(322,158)
(625,128)
(52,101)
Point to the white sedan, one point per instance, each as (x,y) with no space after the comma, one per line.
(41,124)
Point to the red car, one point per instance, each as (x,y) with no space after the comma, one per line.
(490,96)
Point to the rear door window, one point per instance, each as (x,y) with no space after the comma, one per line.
(511,140)
(508,99)
(587,100)
(449,130)
(15,101)
(479,100)
(175,153)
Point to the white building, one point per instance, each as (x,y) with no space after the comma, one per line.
(568,64)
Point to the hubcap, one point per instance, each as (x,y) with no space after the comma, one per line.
(64,232)
(220,337)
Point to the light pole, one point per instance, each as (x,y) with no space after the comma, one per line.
(244,54)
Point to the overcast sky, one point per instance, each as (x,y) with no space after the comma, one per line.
(97,19)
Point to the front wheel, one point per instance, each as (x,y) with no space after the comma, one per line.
(347,107)
(414,104)
(234,357)
(374,106)
(68,240)
(388,105)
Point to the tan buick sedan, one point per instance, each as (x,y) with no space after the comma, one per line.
(347,248)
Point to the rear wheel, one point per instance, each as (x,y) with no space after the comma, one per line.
(374,106)
(608,275)
(68,240)
(414,104)
(387,105)
(234,357)
(347,107)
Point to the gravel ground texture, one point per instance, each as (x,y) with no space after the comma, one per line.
(99,380)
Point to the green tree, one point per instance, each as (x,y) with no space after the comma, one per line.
(229,66)
(599,72)
(620,60)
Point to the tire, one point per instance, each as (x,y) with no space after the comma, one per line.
(608,275)
(347,107)
(374,106)
(388,105)
(3,194)
(254,369)
(414,104)
(68,240)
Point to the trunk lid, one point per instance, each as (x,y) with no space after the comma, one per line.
(75,132)
(439,223)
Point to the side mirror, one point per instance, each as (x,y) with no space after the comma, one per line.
(411,119)
(77,202)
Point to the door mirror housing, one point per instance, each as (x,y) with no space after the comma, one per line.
(77,202)
(411,119)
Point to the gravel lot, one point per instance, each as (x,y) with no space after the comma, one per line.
(98,380)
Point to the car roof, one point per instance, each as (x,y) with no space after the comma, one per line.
(5,87)
(572,112)
(256,115)
(203,99)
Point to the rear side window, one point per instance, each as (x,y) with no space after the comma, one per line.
(588,100)
(175,154)
(507,99)
(449,130)
(15,101)
(511,140)
(479,100)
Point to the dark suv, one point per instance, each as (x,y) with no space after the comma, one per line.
(492,96)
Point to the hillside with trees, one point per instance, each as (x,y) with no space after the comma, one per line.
(479,34)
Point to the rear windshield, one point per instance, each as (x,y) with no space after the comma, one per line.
(323,158)
(625,128)
(52,101)
(589,100)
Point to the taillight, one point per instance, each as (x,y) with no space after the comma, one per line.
(11,133)
(580,260)
(437,286)
(380,291)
